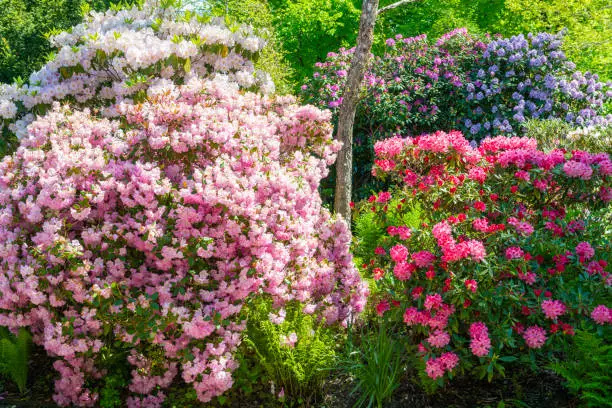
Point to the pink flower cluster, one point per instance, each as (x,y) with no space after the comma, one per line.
(437,367)
(535,337)
(602,314)
(157,230)
(584,250)
(553,308)
(438,338)
(453,251)
(480,343)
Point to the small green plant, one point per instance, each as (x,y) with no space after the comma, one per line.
(369,230)
(110,395)
(587,369)
(375,364)
(14,356)
(295,351)
(556,134)
(550,133)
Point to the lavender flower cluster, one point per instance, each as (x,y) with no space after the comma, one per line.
(529,77)
(484,87)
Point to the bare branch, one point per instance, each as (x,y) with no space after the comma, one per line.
(394,5)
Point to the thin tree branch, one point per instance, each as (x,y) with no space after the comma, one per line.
(394,5)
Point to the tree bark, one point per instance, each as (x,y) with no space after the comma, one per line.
(350,98)
(346,115)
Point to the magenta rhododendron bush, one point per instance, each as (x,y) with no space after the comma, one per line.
(150,233)
(511,256)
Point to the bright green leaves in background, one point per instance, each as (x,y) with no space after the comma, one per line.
(309,29)
(24,25)
(588,41)
(302,32)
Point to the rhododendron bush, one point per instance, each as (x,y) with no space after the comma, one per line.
(510,257)
(484,87)
(149,233)
(114,57)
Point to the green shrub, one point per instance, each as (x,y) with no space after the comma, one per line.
(14,356)
(296,354)
(548,132)
(554,133)
(586,369)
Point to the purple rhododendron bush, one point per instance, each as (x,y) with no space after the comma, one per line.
(511,256)
(150,232)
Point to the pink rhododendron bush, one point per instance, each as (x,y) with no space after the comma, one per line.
(149,233)
(511,256)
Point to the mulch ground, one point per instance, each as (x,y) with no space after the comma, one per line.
(522,390)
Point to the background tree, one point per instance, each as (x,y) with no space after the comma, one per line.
(346,116)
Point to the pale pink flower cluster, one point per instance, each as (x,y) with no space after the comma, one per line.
(553,308)
(439,338)
(577,169)
(602,314)
(480,343)
(200,199)
(534,336)
(462,31)
(289,341)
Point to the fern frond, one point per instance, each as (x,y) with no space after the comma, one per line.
(14,356)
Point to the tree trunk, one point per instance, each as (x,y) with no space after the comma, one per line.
(346,116)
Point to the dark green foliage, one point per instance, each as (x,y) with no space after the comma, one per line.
(110,395)
(298,370)
(587,367)
(14,356)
